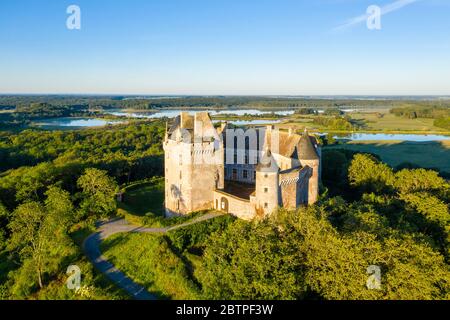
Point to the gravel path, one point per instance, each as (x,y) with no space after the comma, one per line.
(91,247)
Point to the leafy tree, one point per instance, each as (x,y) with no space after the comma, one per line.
(39,236)
(369,175)
(4,216)
(98,191)
(301,254)
(252,261)
(418,180)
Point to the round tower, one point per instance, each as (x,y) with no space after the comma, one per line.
(267,184)
(308,156)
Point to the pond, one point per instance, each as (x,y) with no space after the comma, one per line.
(73,123)
(175,112)
(391,137)
(250,122)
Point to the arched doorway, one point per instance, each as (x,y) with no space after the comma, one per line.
(224,204)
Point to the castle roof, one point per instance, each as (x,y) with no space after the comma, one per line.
(287,142)
(306,149)
(199,124)
(267,163)
(293,145)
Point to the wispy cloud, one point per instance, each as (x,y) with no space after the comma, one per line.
(394,6)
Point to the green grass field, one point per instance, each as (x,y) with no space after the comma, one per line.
(145,198)
(390,122)
(379,121)
(149,261)
(167,265)
(424,154)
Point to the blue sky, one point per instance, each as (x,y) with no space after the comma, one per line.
(228,47)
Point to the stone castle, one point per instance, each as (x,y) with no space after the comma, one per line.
(247,174)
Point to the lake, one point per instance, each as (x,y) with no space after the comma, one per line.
(80,123)
(391,137)
(74,123)
(250,122)
(176,112)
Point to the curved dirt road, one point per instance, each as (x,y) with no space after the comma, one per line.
(91,247)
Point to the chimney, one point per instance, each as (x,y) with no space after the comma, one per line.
(183,118)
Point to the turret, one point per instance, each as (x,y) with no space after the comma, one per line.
(267,184)
(307,154)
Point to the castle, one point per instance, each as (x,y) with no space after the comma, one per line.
(247,174)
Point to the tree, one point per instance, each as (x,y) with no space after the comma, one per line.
(418,180)
(98,191)
(298,254)
(39,235)
(369,175)
(252,261)
(4,217)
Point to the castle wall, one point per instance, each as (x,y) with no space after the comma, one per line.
(193,184)
(285,163)
(313,181)
(191,176)
(291,187)
(241,208)
(205,178)
(178,177)
(240,172)
(267,192)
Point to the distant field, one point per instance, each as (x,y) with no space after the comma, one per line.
(423,154)
(372,121)
(390,122)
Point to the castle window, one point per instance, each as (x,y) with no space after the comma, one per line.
(246,159)
(235,159)
(266,190)
(254,175)
(245,174)
(266,205)
(181,175)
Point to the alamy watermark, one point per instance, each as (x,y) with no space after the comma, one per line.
(374,279)
(74,280)
(237,146)
(373,17)
(374,13)
(73,21)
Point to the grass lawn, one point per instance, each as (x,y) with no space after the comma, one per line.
(424,154)
(145,198)
(167,265)
(149,261)
(143,204)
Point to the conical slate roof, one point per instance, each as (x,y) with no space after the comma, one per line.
(306,149)
(267,163)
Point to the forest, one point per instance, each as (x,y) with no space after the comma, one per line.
(54,186)
(441,114)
